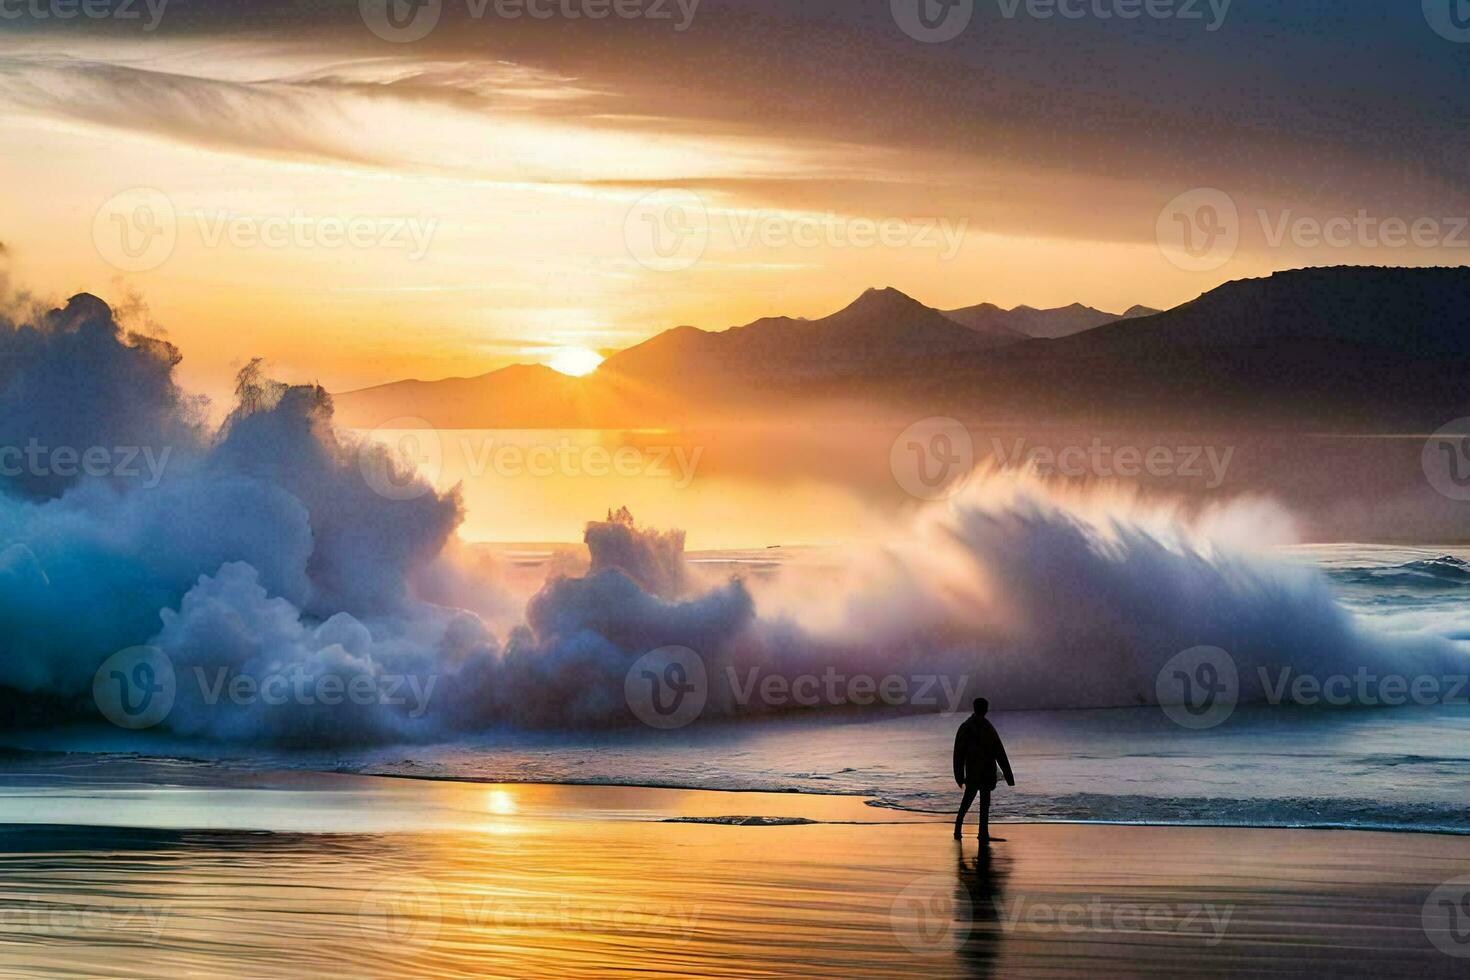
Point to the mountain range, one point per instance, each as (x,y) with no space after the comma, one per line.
(1028,321)
(1328,347)
(881,328)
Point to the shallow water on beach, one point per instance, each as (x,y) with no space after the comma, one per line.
(1404,768)
(1391,768)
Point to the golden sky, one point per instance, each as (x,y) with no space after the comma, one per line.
(359,212)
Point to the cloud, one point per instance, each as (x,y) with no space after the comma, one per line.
(1068,128)
(267,118)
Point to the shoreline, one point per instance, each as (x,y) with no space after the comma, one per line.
(758,820)
(140,771)
(876,804)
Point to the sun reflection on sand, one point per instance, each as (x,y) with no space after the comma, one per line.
(501,802)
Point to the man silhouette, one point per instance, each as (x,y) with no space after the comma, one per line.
(977,752)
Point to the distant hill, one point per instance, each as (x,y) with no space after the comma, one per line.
(1337,348)
(1415,312)
(522,394)
(1360,348)
(1064,321)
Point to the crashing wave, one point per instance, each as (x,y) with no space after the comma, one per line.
(277,555)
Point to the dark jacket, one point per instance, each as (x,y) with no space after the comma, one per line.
(977,751)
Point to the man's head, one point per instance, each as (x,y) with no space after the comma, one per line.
(981,706)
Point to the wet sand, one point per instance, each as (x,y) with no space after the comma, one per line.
(305,875)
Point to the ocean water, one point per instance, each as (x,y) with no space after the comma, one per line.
(1386,767)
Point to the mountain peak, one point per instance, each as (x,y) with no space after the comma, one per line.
(886,300)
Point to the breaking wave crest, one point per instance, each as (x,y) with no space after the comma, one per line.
(1444,572)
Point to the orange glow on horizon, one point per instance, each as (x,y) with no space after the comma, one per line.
(575,361)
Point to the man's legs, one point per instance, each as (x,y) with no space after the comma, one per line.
(959,820)
(985,814)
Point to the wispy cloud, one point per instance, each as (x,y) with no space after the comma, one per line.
(268,118)
(492,121)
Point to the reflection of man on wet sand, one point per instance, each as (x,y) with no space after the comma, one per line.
(977,753)
(979,892)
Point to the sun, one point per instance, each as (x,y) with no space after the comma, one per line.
(576,361)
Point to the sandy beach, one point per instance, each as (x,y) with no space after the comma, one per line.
(285,875)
